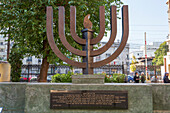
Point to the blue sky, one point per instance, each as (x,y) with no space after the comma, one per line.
(148,16)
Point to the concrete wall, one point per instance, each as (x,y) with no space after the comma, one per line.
(161,97)
(35,97)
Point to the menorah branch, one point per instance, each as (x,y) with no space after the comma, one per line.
(102,26)
(63,39)
(73,26)
(49,27)
(113,23)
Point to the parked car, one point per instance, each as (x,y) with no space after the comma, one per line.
(24,78)
(129,79)
(77,72)
(33,79)
(49,78)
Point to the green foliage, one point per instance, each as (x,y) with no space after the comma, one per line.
(120,78)
(62,77)
(15,59)
(27,22)
(134,60)
(107,79)
(133,66)
(159,53)
(116,78)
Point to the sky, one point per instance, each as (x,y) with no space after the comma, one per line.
(148,16)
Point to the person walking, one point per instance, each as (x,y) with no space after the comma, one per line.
(136,77)
(166,79)
(142,77)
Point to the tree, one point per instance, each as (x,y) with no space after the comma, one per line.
(133,66)
(159,53)
(28,25)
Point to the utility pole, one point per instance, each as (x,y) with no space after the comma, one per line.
(146,68)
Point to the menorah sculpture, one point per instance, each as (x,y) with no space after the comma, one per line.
(87,41)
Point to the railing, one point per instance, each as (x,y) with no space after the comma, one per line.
(53,69)
(152,69)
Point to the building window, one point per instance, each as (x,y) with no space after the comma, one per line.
(97,58)
(29,59)
(127,63)
(1,50)
(107,55)
(39,60)
(1,43)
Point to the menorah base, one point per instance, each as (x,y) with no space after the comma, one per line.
(88,79)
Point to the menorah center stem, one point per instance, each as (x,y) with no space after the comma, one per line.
(88,35)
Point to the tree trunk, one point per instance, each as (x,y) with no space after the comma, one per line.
(8,46)
(44,65)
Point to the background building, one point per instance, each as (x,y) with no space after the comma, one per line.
(150,48)
(32,60)
(166,67)
(3,48)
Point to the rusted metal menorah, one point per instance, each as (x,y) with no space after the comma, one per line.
(87,41)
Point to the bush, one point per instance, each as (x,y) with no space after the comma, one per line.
(108,79)
(120,78)
(62,77)
(116,78)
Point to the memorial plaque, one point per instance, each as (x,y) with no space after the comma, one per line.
(88,99)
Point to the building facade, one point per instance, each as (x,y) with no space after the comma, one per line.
(150,48)
(166,67)
(3,48)
(32,60)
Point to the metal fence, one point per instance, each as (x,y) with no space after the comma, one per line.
(63,69)
(152,69)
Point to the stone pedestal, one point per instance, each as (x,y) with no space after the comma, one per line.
(35,97)
(88,79)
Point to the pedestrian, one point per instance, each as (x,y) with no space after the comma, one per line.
(166,79)
(142,77)
(136,77)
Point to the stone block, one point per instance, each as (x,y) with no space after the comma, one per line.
(12,97)
(38,97)
(35,97)
(161,96)
(88,79)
